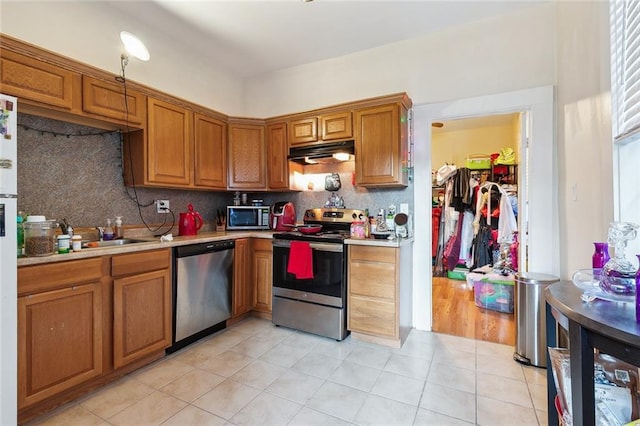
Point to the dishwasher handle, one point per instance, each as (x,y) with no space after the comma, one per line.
(202,248)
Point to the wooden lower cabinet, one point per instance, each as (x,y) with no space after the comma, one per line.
(242,295)
(59,341)
(142,316)
(83,323)
(379,293)
(262,274)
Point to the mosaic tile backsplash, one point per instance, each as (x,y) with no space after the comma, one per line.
(75,172)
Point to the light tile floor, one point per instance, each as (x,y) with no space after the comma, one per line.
(254,373)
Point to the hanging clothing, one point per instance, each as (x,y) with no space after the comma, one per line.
(507,224)
(482,245)
(436,213)
(461,199)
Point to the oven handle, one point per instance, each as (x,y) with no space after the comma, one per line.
(338,248)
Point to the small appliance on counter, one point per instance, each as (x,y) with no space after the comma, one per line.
(283,216)
(248,218)
(190,222)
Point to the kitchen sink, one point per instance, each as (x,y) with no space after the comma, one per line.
(111,243)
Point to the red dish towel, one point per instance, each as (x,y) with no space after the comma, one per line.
(300,260)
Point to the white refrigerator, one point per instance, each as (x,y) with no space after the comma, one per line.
(8,260)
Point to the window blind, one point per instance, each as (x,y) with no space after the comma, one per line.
(625,68)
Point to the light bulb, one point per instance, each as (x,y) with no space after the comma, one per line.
(134,46)
(341,156)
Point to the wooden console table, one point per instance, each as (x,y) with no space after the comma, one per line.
(609,326)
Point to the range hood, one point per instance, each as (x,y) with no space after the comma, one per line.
(321,154)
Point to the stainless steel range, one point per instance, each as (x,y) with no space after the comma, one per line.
(314,302)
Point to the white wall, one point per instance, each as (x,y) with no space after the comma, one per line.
(584,130)
(491,56)
(89,31)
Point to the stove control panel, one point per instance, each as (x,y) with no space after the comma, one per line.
(333,215)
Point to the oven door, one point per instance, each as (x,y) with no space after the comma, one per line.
(328,285)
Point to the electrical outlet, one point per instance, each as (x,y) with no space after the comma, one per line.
(162,206)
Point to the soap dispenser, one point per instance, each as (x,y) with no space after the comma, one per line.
(119,232)
(108,231)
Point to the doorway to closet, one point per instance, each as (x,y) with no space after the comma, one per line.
(466,157)
(539,199)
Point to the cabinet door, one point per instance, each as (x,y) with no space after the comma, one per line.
(303,131)
(169,143)
(277,151)
(263,274)
(336,126)
(210,152)
(247,157)
(59,341)
(141,316)
(107,99)
(373,286)
(242,288)
(381,146)
(39,81)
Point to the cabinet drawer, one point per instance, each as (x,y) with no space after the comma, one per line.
(31,278)
(372,316)
(372,254)
(144,261)
(262,244)
(373,279)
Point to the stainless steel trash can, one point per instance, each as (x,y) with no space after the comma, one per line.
(530,316)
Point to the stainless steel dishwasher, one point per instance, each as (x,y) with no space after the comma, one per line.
(202,276)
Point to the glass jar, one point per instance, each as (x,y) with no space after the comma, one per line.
(618,274)
(39,236)
(76,243)
(358,230)
(63,244)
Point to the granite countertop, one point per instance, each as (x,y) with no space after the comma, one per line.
(151,243)
(398,242)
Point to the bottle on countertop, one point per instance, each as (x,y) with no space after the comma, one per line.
(391,214)
(19,221)
(119,232)
(108,231)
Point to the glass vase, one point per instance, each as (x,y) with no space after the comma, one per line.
(619,274)
(600,255)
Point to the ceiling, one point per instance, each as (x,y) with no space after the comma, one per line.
(463,124)
(250,38)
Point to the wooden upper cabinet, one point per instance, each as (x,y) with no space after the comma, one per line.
(303,131)
(277,151)
(169,140)
(381,146)
(34,80)
(210,152)
(247,157)
(107,99)
(336,126)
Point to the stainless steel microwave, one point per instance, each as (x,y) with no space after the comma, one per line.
(247,217)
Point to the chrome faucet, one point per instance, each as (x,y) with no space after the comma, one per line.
(100,232)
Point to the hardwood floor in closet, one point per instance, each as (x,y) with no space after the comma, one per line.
(455,313)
